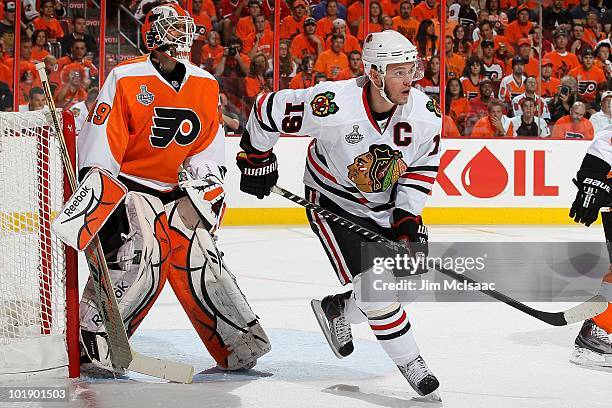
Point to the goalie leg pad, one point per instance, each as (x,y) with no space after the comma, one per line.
(209,294)
(139,269)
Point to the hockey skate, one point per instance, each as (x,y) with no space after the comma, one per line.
(593,347)
(95,355)
(330,315)
(421,378)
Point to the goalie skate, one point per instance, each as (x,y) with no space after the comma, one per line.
(337,331)
(421,379)
(593,347)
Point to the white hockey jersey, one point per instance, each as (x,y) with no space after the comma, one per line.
(601,146)
(367,168)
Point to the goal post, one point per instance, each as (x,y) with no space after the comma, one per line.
(39,294)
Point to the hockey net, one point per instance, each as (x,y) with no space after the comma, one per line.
(38,274)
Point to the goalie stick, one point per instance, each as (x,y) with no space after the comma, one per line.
(592,307)
(122,355)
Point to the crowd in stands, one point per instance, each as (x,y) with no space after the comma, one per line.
(47,34)
(506,75)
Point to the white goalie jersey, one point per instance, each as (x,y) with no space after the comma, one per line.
(367,167)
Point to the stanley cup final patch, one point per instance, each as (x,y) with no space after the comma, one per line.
(145,97)
(354,137)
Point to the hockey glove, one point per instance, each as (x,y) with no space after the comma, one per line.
(258,172)
(413,234)
(593,193)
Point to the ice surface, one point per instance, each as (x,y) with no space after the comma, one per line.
(484,354)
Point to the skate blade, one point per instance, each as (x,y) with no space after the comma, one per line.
(590,359)
(322,320)
(431,398)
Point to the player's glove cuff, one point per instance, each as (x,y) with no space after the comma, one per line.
(411,231)
(259,172)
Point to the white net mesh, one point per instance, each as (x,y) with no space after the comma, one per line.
(32,262)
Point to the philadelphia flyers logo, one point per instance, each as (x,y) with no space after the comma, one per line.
(586,87)
(179,124)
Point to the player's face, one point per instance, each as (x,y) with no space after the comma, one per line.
(398,81)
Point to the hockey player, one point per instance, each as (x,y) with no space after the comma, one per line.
(155,115)
(593,346)
(373,159)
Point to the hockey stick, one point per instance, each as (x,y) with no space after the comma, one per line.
(122,355)
(583,311)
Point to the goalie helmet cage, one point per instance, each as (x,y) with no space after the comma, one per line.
(39,304)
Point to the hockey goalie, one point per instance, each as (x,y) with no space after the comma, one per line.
(155,129)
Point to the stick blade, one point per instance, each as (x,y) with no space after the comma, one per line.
(164,369)
(592,307)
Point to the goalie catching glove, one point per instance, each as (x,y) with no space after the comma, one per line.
(593,193)
(206,195)
(258,172)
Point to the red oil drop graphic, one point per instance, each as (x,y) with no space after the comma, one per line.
(484,176)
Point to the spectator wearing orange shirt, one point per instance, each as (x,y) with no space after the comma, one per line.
(261,40)
(494,124)
(255,82)
(430,83)
(563,61)
(203,16)
(426,10)
(589,77)
(450,128)
(376,20)
(493,68)
(478,107)
(246,24)
(48,22)
(307,43)
(39,44)
(72,89)
(524,51)
(293,24)
(332,61)
(574,125)
(519,28)
(355,68)
(592,32)
(326,24)
(305,78)
(354,16)
(426,39)
(602,54)
(77,55)
(405,24)
(211,53)
(455,63)
(391,8)
(350,41)
(513,84)
(550,84)
(457,104)
(473,74)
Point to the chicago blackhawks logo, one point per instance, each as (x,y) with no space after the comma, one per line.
(322,104)
(433,107)
(377,169)
(179,124)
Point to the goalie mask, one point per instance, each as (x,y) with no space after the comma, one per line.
(390,47)
(169,29)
